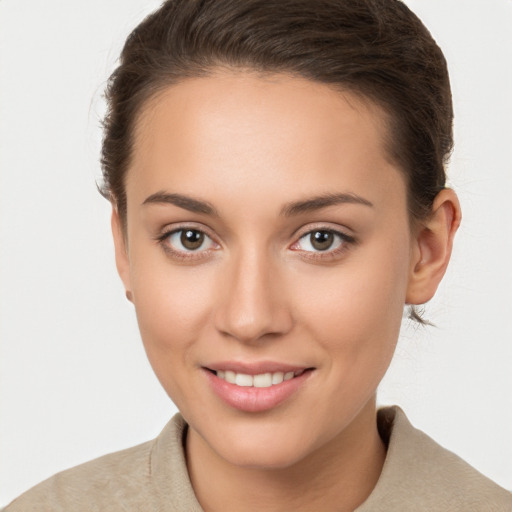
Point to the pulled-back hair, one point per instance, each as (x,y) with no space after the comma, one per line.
(377,49)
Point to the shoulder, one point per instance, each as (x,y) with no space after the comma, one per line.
(124,480)
(421,475)
(122,473)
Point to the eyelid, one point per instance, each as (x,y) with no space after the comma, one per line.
(168,229)
(329,254)
(344,237)
(171,229)
(324,226)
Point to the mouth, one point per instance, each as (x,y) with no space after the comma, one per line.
(256,388)
(260,380)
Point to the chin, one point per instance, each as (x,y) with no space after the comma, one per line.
(262,445)
(256,457)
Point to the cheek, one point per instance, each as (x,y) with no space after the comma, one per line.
(355,310)
(173,307)
(171,302)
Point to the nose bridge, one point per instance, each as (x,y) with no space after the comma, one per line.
(253,305)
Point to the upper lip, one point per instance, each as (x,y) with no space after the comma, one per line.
(255,368)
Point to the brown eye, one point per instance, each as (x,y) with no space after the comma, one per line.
(188,240)
(191,239)
(321,240)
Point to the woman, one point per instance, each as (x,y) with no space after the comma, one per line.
(276,172)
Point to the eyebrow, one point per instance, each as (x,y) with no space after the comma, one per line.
(322,201)
(288,210)
(182,201)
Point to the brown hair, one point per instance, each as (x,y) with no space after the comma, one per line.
(377,49)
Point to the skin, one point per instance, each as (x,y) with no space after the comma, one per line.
(250,145)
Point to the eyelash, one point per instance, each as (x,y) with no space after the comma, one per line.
(184,255)
(322,256)
(329,254)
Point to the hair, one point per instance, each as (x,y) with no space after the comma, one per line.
(377,49)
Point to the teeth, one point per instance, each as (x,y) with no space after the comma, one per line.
(277,377)
(244,380)
(263,380)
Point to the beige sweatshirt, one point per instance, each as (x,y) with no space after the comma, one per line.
(418,476)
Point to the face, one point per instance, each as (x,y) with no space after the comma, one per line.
(268,253)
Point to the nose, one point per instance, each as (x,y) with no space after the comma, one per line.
(253,303)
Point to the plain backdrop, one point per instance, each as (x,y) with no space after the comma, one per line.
(75,382)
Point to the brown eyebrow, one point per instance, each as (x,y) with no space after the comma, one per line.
(288,210)
(323,201)
(182,201)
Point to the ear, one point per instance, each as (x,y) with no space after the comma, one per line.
(121,252)
(432,249)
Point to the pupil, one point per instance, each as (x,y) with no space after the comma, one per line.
(322,240)
(191,239)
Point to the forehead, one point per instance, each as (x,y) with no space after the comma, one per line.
(237,129)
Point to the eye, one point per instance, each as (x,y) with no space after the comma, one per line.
(189,240)
(321,240)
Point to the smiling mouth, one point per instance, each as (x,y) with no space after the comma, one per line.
(262,380)
(256,387)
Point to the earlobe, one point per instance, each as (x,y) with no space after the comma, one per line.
(121,252)
(433,247)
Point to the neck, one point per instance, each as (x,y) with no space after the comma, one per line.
(340,475)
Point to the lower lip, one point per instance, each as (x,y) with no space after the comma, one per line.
(252,399)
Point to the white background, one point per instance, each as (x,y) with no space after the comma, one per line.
(75,383)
